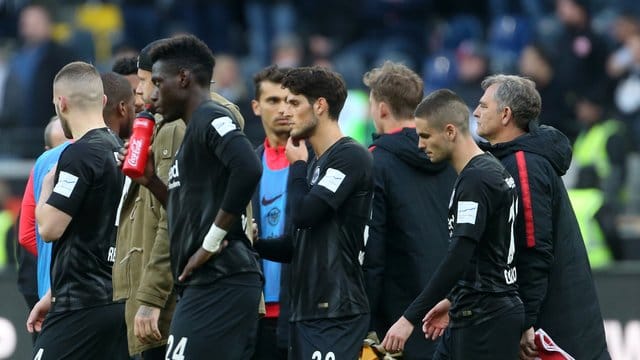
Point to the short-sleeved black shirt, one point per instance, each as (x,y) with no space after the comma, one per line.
(329,281)
(483,207)
(198,180)
(88,184)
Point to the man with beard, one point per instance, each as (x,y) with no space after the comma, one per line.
(77,209)
(330,201)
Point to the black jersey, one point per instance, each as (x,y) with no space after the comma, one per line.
(329,281)
(88,184)
(198,187)
(483,207)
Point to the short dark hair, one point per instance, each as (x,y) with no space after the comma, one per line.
(318,82)
(117,88)
(271,73)
(443,107)
(127,65)
(397,85)
(186,52)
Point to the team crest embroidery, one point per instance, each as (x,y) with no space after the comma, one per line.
(316,175)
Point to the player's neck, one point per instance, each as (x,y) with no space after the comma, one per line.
(327,133)
(82,123)
(198,97)
(394,125)
(506,135)
(276,140)
(466,150)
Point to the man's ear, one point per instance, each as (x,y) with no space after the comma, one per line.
(184,78)
(320,106)
(383,109)
(507,115)
(255,106)
(122,108)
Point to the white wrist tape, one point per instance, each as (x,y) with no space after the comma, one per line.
(214,238)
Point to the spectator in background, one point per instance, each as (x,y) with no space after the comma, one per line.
(535,64)
(268,20)
(599,163)
(579,54)
(627,89)
(619,61)
(403,250)
(35,64)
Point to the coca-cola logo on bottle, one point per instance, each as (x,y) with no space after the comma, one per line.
(135,147)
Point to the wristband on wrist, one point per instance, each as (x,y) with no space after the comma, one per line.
(213,238)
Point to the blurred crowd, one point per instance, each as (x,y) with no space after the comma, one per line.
(584,56)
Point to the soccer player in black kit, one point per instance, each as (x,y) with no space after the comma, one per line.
(77,210)
(211,181)
(477,275)
(330,200)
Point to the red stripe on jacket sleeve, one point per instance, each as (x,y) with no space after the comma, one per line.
(526,199)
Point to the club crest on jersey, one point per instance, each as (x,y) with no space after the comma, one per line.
(273,216)
(316,175)
(174,176)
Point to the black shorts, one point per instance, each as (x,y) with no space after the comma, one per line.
(328,339)
(495,339)
(216,321)
(94,333)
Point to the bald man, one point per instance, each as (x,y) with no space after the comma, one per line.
(77,209)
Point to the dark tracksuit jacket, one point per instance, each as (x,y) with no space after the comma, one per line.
(407,233)
(554,276)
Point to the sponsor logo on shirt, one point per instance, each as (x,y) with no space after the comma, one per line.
(174,176)
(266,201)
(66,183)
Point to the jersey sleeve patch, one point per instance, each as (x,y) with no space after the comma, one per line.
(467,212)
(66,183)
(223,125)
(332,179)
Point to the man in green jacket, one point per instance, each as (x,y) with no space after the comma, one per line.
(141,272)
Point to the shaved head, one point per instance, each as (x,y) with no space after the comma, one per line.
(81,86)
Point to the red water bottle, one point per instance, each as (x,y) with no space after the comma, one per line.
(139,141)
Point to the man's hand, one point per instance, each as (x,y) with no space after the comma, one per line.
(296,150)
(397,335)
(149,169)
(38,313)
(196,260)
(146,324)
(436,320)
(528,349)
